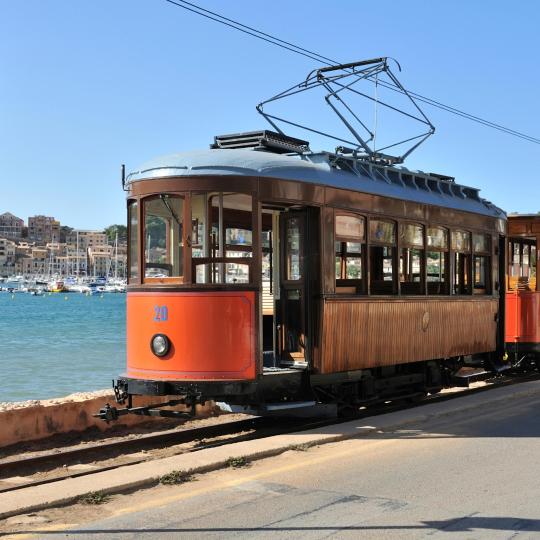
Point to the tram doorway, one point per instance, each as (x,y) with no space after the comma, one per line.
(290,258)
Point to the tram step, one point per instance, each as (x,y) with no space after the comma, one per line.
(300,409)
(467,375)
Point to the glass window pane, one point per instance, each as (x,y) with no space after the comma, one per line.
(411,235)
(199,239)
(437,278)
(410,271)
(350,227)
(461,241)
(462,273)
(221,228)
(437,237)
(353,269)
(238,237)
(164,249)
(353,247)
(525,255)
(382,231)
(133,240)
(516,252)
(349,264)
(293,261)
(480,242)
(481,265)
(381,261)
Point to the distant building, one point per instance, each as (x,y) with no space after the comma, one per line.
(86,239)
(99,260)
(7,257)
(43,230)
(39,261)
(10,226)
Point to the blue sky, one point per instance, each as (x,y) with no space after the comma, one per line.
(88,85)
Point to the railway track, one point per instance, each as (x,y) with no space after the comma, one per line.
(80,461)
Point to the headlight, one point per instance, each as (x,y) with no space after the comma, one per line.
(160,344)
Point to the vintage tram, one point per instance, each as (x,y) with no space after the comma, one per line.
(523,290)
(268,277)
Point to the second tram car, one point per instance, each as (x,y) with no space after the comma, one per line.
(264,275)
(523,290)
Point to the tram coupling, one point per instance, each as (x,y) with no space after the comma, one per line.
(109,413)
(121,394)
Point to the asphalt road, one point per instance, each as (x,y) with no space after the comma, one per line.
(475,476)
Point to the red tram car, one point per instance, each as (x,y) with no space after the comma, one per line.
(266,276)
(523,290)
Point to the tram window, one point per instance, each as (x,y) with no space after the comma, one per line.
(480,243)
(437,272)
(293,260)
(411,259)
(382,231)
(133,235)
(349,238)
(437,237)
(461,241)
(481,263)
(437,260)
(164,248)
(523,264)
(382,257)
(461,244)
(222,235)
(481,274)
(462,273)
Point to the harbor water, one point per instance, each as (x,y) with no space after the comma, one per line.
(57,344)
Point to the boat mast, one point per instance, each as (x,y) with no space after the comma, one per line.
(116,255)
(77,254)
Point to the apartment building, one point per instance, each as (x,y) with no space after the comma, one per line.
(10,226)
(7,257)
(86,239)
(43,230)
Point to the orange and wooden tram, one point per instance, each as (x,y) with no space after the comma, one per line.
(266,276)
(523,291)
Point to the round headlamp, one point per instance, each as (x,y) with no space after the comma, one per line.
(160,345)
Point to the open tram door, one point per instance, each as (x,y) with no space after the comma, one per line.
(298,258)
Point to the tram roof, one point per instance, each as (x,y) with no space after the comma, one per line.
(321,168)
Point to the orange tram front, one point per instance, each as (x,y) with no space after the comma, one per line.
(266,276)
(523,294)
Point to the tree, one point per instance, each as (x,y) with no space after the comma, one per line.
(111,231)
(64,231)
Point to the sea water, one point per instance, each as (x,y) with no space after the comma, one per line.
(59,343)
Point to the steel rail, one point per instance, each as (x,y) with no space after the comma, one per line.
(266,426)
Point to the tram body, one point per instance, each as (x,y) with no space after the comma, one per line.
(258,277)
(522,332)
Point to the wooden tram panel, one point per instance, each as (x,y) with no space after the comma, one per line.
(361,334)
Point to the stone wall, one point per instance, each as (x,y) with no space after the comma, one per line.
(33,420)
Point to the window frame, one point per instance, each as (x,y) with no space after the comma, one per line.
(374,243)
(135,279)
(487,255)
(447,259)
(467,257)
(253,263)
(167,280)
(347,284)
(401,245)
